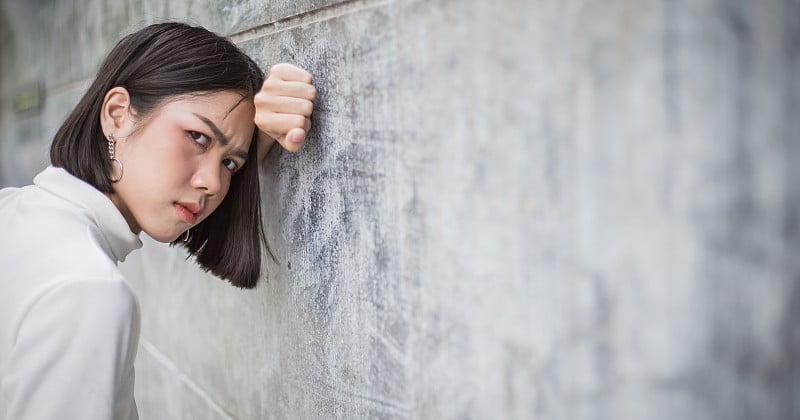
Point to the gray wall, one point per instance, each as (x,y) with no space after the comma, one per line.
(506,210)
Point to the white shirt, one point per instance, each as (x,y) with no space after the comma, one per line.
(69,324)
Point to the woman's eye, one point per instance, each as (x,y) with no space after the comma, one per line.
(230,164)
(199,138)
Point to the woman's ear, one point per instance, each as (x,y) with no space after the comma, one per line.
(115,115)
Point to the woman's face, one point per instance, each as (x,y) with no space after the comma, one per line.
(179,161)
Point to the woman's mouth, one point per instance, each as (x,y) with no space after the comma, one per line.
(187,211)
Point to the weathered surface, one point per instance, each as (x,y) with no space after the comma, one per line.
(516,210)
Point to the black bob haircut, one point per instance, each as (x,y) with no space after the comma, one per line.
(155,64)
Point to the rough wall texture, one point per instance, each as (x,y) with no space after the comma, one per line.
(506,210)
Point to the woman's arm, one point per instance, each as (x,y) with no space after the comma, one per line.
(73,354)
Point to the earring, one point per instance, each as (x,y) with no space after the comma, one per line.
(111,146)
(187,235)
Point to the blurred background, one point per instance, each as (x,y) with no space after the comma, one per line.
(530,209)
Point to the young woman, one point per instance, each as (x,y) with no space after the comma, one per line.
(166,141)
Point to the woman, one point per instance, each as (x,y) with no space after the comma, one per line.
(166,141)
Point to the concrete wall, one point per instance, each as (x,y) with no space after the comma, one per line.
(506,210)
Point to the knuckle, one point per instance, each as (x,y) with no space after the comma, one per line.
(260,98)
(260,119)
(312,92)
(265,100)
(277,68)
(269,84)
(264,118)
(308,108)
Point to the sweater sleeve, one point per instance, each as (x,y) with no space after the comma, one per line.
(73,354)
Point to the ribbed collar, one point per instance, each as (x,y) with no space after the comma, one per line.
(119,240)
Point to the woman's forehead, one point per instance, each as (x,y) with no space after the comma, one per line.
(220,105)
(229,111)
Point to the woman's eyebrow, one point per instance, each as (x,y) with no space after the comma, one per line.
(213,127)
(220,136)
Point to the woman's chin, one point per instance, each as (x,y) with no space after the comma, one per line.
(165,237)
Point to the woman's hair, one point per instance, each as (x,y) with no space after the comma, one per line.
(155,64)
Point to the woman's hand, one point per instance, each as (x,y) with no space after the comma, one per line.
(283,108)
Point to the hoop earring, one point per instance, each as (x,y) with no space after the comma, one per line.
(111,146)
(187,235)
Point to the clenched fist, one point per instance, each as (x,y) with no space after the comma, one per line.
(283,108)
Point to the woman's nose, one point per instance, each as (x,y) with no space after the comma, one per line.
(207,177)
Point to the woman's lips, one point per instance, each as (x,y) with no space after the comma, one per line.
(185,213)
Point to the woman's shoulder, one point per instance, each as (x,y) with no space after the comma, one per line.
(51,250)
(46,233)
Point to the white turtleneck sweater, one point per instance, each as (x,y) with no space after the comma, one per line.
(69,324)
